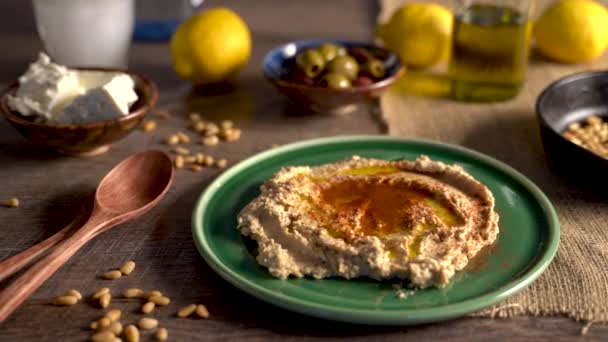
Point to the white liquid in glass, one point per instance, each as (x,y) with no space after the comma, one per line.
(86,32)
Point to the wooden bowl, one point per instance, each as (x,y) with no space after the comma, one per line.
(568,100)
(319,99)
(83,139)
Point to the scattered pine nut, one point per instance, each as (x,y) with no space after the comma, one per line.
(65,300)
(226,124)
(147,308)
(179,162)
(114,315)
(183,137)
(190,159)
(196,168)
(182,150)
(131,333)
(200,158)
(208,161)
(221,163)
(163,114)
(202,311)
(103,322)
(127,268)
(133,293)
(100,292)
(212,140)
(211,129)
(194,116)
(172,140)
(103,336)
(12,202)
(94,325)
(148,323)
(112,275)
(149,126)
(104,300)
(199,126)
(186,311)
(162,334)
(116,328)
(160,300)
(149,294)
(233,134)
(74,293)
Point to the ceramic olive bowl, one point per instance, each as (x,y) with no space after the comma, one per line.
(319,99)
(568,100)
(84,139)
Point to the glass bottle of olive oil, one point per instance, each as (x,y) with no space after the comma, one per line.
(490,45)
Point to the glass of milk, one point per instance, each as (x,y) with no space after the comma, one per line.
(86,32)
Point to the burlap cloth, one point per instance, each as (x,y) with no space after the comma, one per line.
(576,283)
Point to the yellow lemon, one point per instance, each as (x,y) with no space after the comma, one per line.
(211,46)
(572,31)
(419,33)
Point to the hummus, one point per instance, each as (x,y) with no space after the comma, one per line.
(419,220)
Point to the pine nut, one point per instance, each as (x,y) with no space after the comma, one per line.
(65,301)
(104,300)
(202,311)
(212,140)
(100,292)
(186,311)
(114,315)
(211,129)
(200,158)
(116,328)
(133,293)
(149,294)
(227,124)
(12,202)
(160,300)
(196,168)
(132,333)
(148,323)
(182,150)
(199,126)
(194,116)
(162,334)
(190,159)
(149,126)
(208,161)
(147,308)
(103,336)
(163,115)
(179,162)
(183,137)
(233,134)
(103,323)
(74,293)
(112,275)
(172,140)
(127,268)
(221,163)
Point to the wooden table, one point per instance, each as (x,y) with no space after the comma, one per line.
(51,189)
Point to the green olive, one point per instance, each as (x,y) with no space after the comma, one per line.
(330,51)
(345,65)
(311,62)
(374,67)
(335,81)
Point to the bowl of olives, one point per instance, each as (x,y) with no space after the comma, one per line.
(331,76)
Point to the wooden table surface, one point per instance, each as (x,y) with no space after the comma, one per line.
(51,189)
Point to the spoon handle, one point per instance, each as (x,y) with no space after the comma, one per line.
(24,258)
(26,284)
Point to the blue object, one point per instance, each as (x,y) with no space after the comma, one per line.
(157,30)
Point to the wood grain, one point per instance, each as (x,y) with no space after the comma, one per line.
(52,188)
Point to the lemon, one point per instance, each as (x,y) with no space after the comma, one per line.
(419,33)
(572,31)
(211,46)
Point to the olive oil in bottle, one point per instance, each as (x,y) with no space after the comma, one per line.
(489,56)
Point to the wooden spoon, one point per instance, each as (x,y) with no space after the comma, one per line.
(131,188)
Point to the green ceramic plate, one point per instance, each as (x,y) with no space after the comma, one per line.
(528,239)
